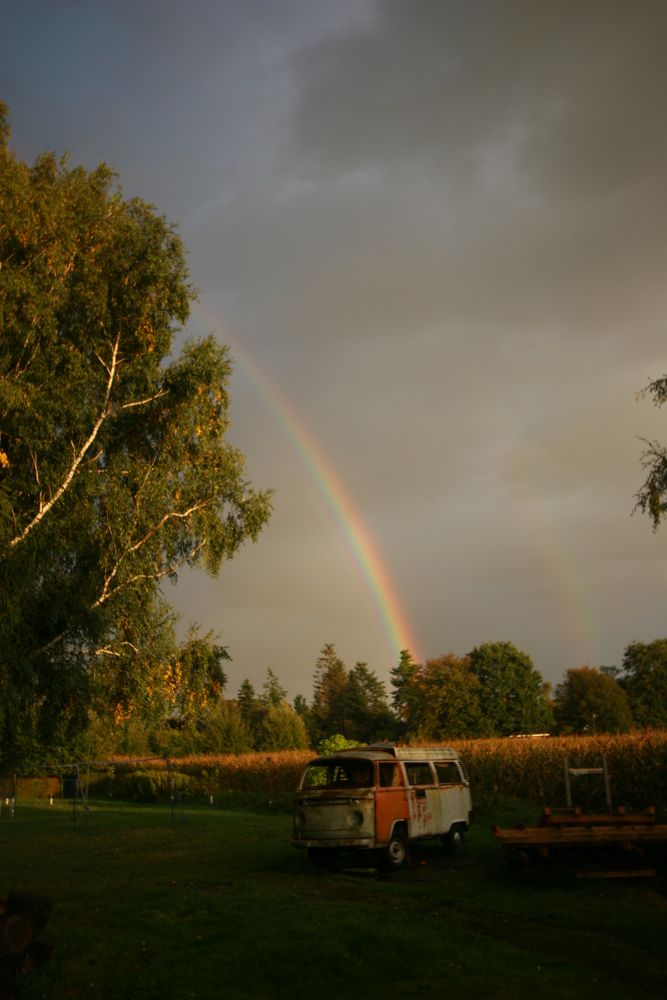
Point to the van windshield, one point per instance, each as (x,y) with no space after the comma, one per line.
(339,774)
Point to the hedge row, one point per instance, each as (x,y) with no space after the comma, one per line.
(253,778)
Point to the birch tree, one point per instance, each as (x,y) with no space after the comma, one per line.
(115,471)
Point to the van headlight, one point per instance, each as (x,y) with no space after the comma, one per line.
(355,819)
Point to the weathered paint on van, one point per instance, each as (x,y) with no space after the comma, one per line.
(381,797)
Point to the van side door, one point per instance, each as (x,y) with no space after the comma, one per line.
(454,794)
(391,800)
(423,800)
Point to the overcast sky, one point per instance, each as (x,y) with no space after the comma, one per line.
(434,234)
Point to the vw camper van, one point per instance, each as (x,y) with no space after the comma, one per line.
(381,797)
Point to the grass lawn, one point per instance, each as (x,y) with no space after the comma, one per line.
(217,904)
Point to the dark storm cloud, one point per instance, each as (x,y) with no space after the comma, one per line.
(456,169)
(574,91)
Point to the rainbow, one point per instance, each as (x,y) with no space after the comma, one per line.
(364,550)
(572,603)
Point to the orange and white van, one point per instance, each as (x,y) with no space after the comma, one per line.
(381,797)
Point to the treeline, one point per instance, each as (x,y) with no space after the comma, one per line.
(493,691)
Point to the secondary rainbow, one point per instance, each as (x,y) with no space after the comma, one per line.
(355,529)
(573,610)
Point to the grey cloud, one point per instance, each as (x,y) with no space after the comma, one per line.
(579,88)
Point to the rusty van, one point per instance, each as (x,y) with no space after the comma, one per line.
(381,798)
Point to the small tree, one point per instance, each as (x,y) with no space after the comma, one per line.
(446,700)
(273,692)
(370,718)
(351,703)
(246,697)
(225,730)
(402,681)
(330,684)
(272,723)
(282,729)
(513,695)
(591,701)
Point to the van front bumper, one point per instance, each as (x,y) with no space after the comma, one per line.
(365,842)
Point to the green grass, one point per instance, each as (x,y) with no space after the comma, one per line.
(213,904)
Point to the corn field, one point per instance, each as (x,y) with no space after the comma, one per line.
(532,769)
(501,771)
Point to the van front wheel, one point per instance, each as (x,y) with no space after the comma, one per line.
(396,852)
(454,840)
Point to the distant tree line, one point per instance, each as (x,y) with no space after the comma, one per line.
(494,690)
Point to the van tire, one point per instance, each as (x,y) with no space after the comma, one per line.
(453,840)
(395,854)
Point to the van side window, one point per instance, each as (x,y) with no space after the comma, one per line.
(448,773)
(360,774)
(419,774)
(354,774)
(389,775)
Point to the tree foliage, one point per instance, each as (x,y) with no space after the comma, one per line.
(645,681)
(273,692)
(402,681)
(651,498)
(194,677)
(591,701)
(352,703)
(224,730)
(445,701)
(114,468)
(513,696)
(282,729)
(370,718)
(272,723)
(329,708)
